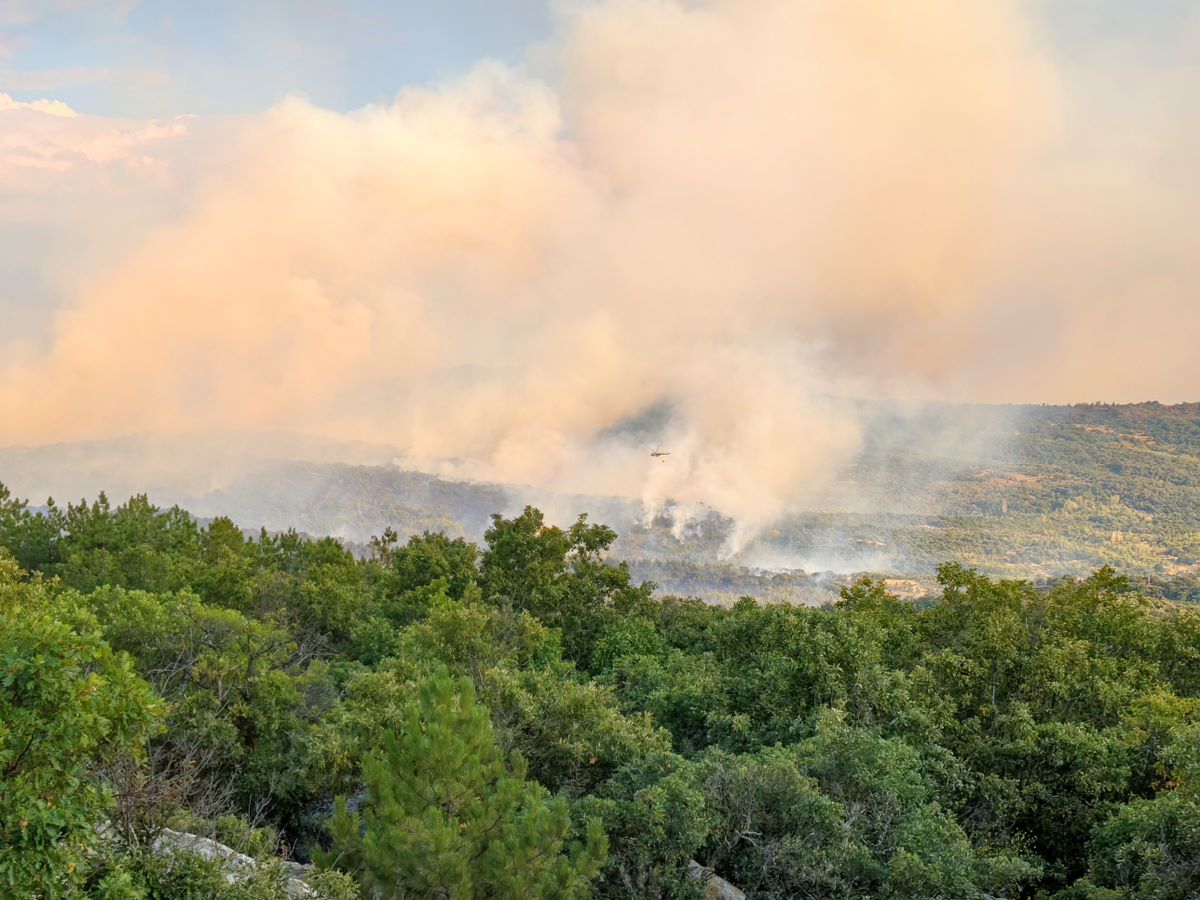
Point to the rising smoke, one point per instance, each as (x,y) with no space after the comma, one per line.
(734,211)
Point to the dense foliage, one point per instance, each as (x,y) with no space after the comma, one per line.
(521,718)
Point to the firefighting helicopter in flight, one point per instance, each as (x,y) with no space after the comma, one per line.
(659,454)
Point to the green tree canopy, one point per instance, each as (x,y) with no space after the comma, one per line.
(446,815)
(68,705)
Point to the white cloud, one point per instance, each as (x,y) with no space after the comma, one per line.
(47,107)
(49,135)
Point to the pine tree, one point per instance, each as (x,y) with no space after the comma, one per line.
(446,816)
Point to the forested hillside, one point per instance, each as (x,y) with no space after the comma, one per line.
(1024,491)
(1051,490)
(521,718)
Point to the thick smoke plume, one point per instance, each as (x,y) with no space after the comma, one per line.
(730,212)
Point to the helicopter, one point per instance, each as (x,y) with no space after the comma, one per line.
(659,454)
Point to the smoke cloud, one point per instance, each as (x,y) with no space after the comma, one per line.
(730,212)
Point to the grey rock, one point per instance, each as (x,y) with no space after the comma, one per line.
(236,865)
(715,887)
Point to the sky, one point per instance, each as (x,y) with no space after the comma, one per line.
(147,58)
(156,58)
(493,234)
